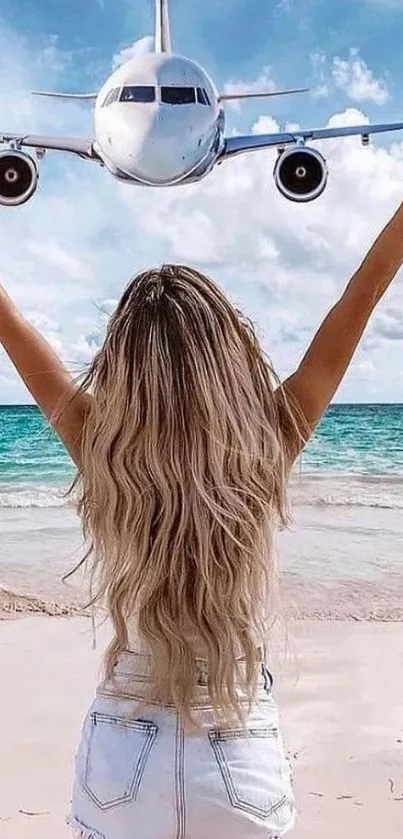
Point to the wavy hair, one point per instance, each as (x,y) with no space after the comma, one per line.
(182,481)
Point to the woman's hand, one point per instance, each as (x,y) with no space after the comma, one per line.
(45,376)
(321,370)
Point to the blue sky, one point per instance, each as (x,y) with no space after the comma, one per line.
(75,244)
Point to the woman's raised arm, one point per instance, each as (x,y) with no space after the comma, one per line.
(45,376)
(323,366)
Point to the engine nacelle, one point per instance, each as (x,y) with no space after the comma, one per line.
(19,176)
(300,173)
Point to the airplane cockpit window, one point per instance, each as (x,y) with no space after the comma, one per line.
(111,96)
(115,95)
(202,96)
(138,93)
(178,95)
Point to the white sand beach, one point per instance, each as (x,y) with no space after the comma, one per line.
(341,699)
(340,690)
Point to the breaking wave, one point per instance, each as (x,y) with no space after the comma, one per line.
(347,490)
(30,495)
(318,489)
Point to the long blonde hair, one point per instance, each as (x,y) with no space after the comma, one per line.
(183,479)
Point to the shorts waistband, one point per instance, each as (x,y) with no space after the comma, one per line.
(136,665)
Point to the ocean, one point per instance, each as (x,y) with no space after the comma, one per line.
(354,459)
(341,558)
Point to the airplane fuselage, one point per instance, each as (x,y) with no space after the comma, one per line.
(159,121)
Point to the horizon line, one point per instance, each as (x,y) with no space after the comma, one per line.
(331,405)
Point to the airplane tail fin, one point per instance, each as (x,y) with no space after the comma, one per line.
(228,97)
(162,27)
(56,95)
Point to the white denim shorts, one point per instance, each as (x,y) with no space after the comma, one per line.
(140,776)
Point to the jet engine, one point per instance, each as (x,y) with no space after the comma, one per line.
(18,177)
(300,174)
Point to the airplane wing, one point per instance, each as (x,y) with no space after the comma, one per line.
(255,142)
(55,95)
(229,97)
(82,147)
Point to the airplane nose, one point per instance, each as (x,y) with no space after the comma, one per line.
(158,151)
(165,159)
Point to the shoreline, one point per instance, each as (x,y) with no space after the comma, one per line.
(308,487)
(333,564)
(14,606)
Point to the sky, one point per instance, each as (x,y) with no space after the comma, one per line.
(66,255)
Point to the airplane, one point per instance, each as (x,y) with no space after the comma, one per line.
(159,121)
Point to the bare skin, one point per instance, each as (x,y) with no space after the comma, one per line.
(51,385)
(312,386)
(323,366)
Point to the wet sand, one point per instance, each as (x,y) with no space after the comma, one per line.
(338,563)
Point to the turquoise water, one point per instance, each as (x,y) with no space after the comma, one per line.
(34,465)
(29,451)
(360,439)
(357,446)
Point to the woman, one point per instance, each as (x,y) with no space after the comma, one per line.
(183,447)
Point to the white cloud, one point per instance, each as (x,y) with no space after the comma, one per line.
(139,48)
(351,75)
(108,306)
(61,259)
(83,235)
(265,125)
(358,81)
(322,87)
(388,326)
(285,5)
(264,82)
(48,328)
(83,349)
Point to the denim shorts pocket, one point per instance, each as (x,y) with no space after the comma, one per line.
(117,754)
(252,766)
